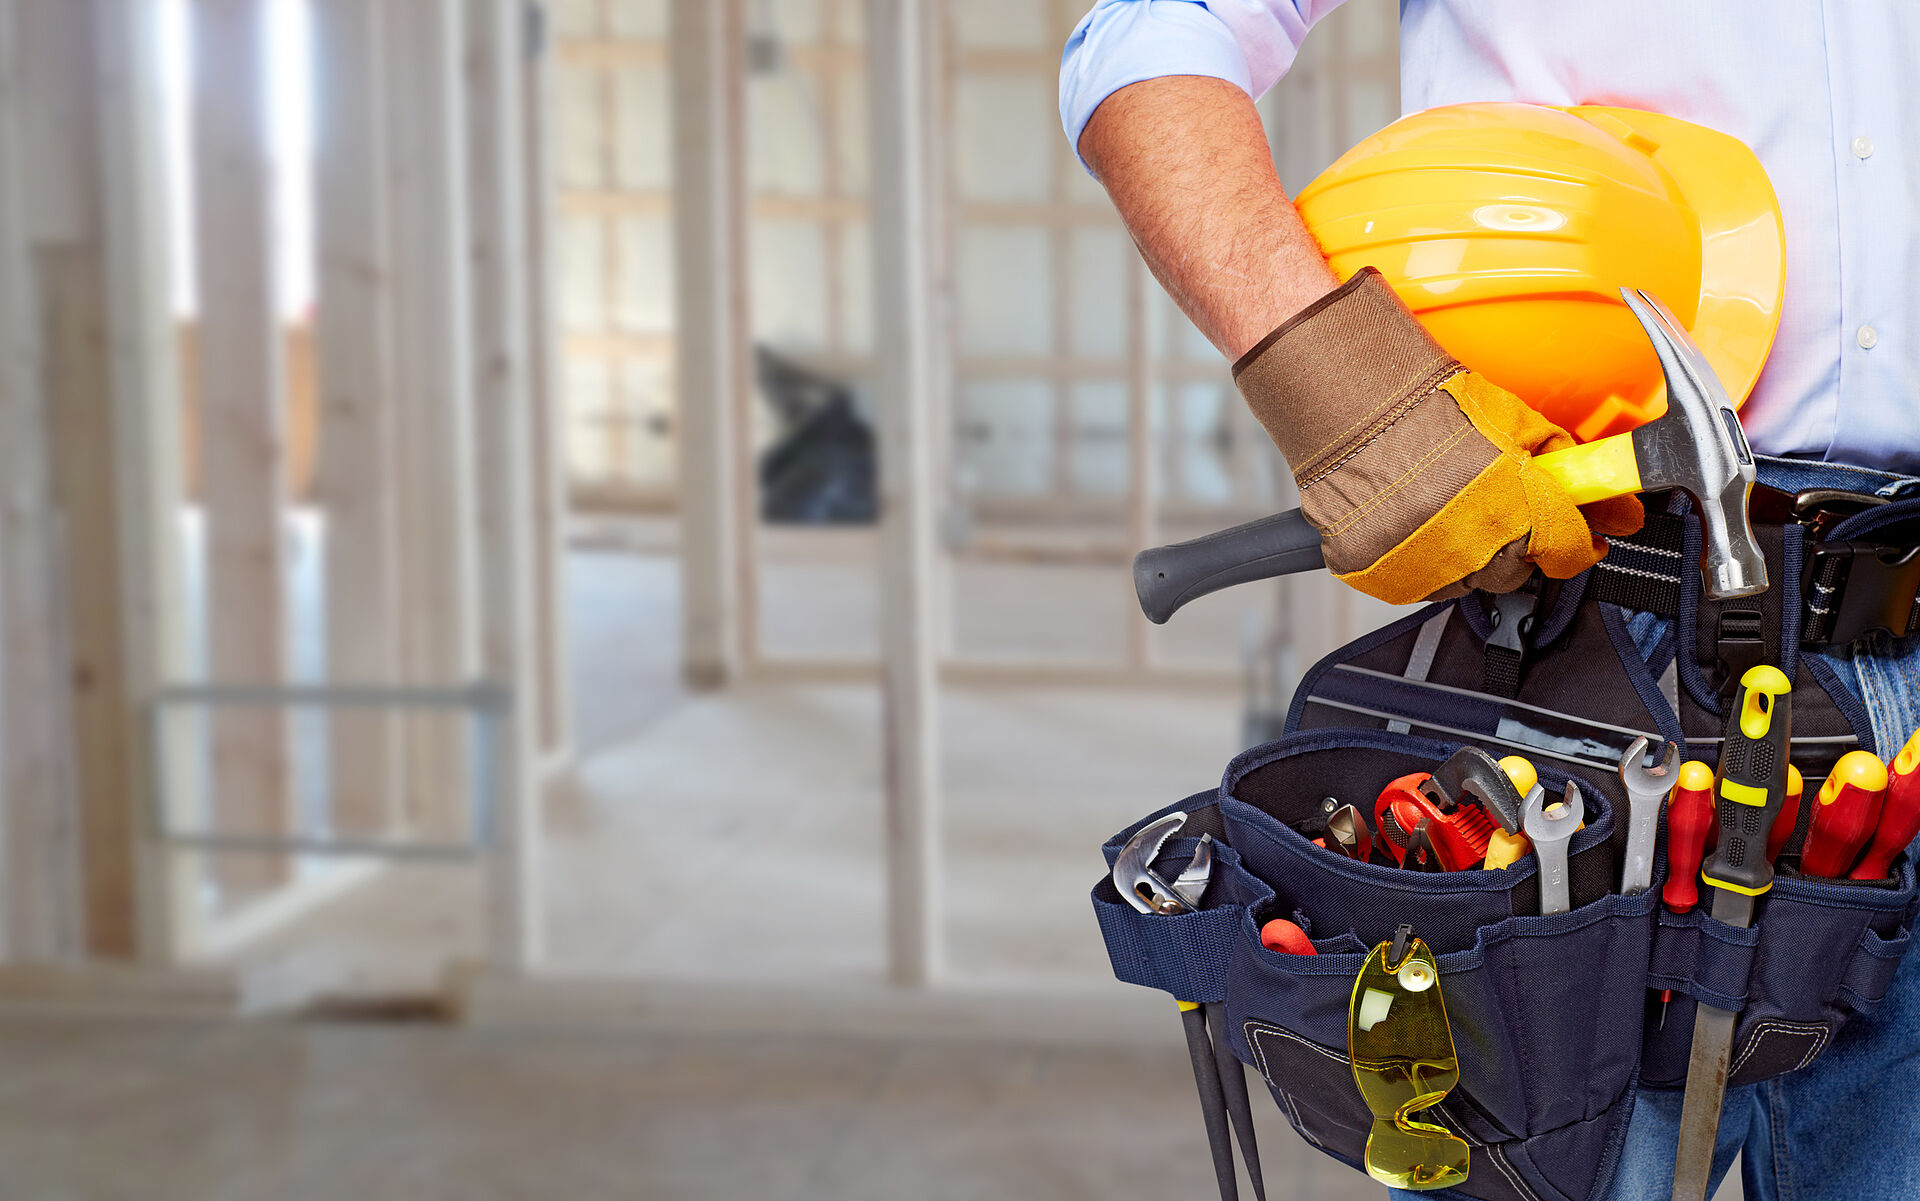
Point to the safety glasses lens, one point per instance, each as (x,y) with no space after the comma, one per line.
(1404,1062)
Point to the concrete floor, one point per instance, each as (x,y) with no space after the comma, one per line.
(272,1111)
(693,848)
(691,818)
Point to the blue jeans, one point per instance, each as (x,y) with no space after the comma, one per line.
(1847,1127)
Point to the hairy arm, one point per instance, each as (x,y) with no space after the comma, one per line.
(1186,162)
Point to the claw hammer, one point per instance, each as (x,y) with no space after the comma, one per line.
(1696,447)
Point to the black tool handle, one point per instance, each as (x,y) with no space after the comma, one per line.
(1167,577)
(1213,1100)
(1233,1080)
(1751,785)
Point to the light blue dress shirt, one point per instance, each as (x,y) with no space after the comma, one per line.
(1827,94)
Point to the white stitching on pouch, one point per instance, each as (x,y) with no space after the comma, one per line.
(1251,1026)
(1760,1032)
(1499,1157)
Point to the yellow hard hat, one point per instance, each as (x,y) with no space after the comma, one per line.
(1509,230)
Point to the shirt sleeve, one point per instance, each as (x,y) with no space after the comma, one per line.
(1249,43)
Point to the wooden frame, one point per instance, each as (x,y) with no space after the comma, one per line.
(242,394)
(829,62)
(508,509)
(40,894)
(904,239)
(357,478)
(127,605)
(428,195)
(710,279)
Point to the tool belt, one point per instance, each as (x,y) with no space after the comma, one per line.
(1558,1019)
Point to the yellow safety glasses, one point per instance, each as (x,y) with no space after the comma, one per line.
(1404,1062)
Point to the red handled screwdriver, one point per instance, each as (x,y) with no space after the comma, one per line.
(1689,822)
(1899,817)
(1844,814)
(1789,813)
(1690,825)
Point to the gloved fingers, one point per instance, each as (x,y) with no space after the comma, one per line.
(1620,516)
(1512,425)
(1562,543)
(1505,572)
(1503,418)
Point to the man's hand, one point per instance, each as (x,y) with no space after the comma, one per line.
(1416,471)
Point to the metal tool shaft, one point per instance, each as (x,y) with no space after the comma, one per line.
(1707,1074)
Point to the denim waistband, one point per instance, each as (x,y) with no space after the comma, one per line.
(1794,475)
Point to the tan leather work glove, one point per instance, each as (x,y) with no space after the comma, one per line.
(1417,472)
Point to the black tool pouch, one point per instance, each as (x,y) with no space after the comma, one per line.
(1557,1020)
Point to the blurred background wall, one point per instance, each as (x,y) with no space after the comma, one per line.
(603,513)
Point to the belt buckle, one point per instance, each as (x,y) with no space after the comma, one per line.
(1848,589)
(1856,588)
(1821,509)
(1852,588)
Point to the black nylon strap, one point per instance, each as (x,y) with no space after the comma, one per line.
(1643,570)
(1500,672)
(1823,601)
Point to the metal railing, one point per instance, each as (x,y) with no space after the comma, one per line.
(486,703)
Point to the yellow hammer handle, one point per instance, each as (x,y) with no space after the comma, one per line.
(1595,471)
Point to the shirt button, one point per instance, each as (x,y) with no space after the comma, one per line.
(1868,337)
(1863,147)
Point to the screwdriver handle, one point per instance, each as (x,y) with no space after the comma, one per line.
(1689,821)
(1504,849)
(1751,785)
(1789,813)
(1899,816)
(1844,814)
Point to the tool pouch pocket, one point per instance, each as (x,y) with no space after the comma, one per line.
(1819,953)
(1546,1012)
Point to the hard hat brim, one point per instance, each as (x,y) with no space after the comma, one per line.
(1743,243)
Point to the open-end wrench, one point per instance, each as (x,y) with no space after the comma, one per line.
(1550,828)
(1472,774)
(1647,789)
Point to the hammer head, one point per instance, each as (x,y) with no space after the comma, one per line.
(1698,448)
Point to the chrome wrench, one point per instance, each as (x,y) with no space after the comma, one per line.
(1647,789)
(1551,828)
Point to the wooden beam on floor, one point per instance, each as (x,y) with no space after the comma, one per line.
(434,366)
(243,392)
(903,247)
(356,481)
(710,281)
(496,143)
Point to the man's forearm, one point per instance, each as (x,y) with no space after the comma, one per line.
(1186,162)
